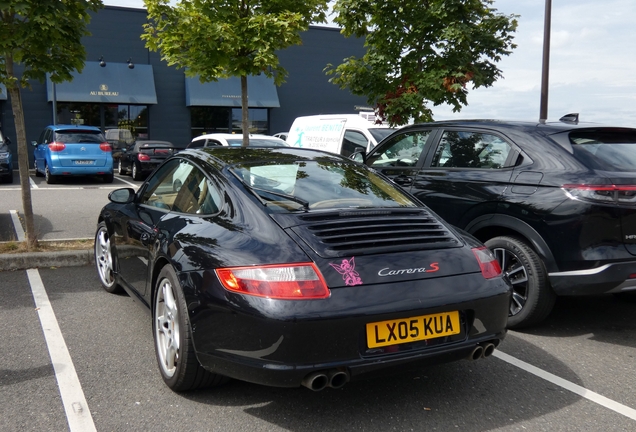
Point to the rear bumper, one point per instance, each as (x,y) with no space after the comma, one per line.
(279,343)
(608,278)
(81,170)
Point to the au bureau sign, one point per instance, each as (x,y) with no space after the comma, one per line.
(103,91)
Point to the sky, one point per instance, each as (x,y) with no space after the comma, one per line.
(592,64)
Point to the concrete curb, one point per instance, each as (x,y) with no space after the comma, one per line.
(27,260)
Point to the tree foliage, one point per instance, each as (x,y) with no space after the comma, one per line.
(42,37)
(421,51)
(215,39)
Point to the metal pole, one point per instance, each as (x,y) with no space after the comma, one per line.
(54,104)
(545,71)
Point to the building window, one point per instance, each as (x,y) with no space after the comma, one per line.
(106,116)
(206,120)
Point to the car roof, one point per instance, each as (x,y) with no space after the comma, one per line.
(231,155)
(546,127)
(69,127)
(228,136)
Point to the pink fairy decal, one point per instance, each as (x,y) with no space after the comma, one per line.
(348,272)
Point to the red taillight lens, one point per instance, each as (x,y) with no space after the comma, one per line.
(488,264)
(611,194)
(284,281)
(57,146)
(143,157)
(105,147)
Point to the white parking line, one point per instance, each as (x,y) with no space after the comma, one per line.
(574,388)
(77,413)
(17,225)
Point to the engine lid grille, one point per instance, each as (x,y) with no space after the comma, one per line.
(344,233)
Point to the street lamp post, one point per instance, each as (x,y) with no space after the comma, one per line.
(545,70)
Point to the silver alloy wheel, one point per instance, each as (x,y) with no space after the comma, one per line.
(517,274)
(104,257)
(134,171)
(120,168)
(167,328)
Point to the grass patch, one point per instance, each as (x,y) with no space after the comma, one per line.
(46,246)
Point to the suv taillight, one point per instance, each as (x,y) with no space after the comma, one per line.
(611,194)
(488,264)
(57,146)
(105,147)
(143,157)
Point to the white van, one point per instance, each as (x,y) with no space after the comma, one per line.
(337,133)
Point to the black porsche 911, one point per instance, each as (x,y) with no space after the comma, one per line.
(289,267)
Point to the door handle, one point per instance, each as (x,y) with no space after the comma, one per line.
(403,180)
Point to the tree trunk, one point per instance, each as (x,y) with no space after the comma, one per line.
(23,156)
(245,117)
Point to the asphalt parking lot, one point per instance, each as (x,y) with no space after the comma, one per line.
(77,358)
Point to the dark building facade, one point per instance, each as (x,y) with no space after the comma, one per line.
(126,86)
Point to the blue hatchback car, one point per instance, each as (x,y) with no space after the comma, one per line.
(72,150)
(6,160)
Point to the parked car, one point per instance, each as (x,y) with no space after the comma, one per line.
(119,139)
(281,135)
(143,156)
(289,267)
(338,133)
(555,201)
(234,140)
(6,160)
(72,150)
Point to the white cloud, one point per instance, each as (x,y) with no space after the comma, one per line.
(592,56)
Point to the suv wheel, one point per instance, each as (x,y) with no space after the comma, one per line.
(120,168)
(532,297)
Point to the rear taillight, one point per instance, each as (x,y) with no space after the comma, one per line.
(105,147)
(284,281)
(143,157)
(57,146)
(488,264)
(611,194)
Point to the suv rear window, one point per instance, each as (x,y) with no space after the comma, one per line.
(79,136)
(607,150)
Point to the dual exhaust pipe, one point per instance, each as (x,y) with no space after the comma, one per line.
(334,378)
(482,350)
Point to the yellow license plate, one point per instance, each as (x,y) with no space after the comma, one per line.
(412,329)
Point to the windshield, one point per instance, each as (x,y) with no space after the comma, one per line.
(308,185)
(380,133)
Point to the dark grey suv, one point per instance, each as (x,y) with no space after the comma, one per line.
(556,202)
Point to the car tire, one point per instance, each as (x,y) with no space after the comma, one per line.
(120,168)
(174,348)
(108,178)
(104,262)
(532,297)
(37,173)
(136,171)
(50,178)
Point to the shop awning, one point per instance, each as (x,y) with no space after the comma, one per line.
(261,92)
(113,83)
(3,92)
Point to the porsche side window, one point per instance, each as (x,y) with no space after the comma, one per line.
(402,151)
(159,191)
(195,194)
(459,149)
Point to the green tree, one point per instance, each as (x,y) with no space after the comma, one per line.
(421,51)
(215,39)
(42,37)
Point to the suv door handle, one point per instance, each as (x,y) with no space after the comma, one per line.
(403,180)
